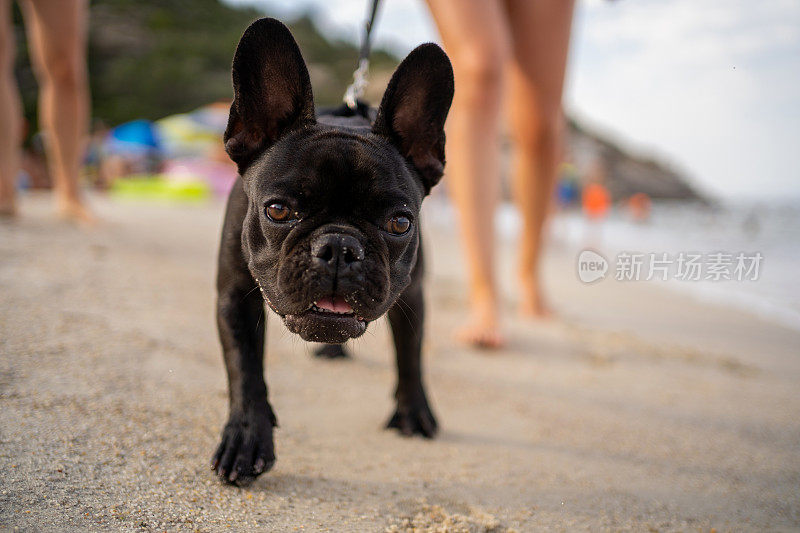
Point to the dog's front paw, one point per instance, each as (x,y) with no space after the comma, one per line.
(246,449)
(414,415)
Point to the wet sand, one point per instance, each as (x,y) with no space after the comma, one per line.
(638,409)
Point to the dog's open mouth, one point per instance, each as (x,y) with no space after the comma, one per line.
(330,320)
(335,306)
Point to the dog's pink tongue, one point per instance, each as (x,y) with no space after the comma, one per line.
(335,305)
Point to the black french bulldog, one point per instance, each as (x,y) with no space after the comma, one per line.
(323,220)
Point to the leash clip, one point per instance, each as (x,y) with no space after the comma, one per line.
(356,89)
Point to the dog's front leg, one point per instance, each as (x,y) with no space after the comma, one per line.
(413,414)
(247,447)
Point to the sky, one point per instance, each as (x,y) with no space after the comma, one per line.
(712,87)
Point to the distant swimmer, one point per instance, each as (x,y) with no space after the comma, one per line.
(639,207)
(596,201)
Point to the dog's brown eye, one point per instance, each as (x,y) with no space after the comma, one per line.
(398,225)
(278,212)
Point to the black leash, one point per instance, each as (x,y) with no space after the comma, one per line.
(356,89)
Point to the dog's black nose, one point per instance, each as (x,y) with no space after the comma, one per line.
(337,250)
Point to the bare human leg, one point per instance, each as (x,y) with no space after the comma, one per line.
(475,37)
(540,42)
(57,32)
(10,115)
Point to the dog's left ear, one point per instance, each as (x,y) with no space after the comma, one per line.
(272,91)
(414,108)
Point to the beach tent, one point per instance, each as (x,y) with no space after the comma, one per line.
(138,137)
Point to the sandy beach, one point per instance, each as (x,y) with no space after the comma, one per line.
(638,409)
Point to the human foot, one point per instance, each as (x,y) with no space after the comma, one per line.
(8,204)
(8,209)
(533,304)
(481,336)
(482,330)
(76,212)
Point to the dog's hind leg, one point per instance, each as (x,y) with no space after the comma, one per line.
(331,351)
(413,414)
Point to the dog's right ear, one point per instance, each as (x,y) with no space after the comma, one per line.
(272,91)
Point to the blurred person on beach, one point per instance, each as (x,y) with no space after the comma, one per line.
(517,48)
(595,197)
(57,32)
(595,204)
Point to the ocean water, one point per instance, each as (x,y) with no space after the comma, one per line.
(771,230)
